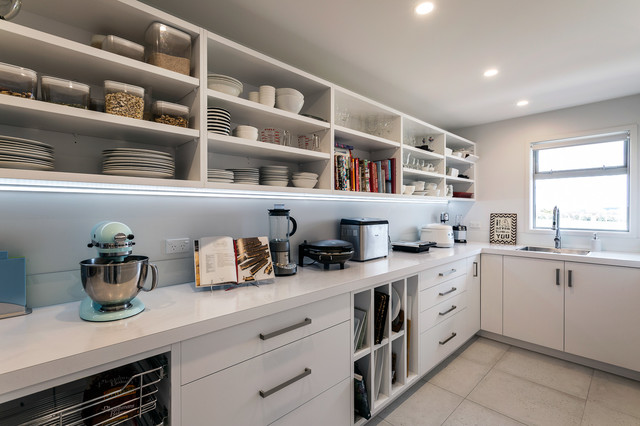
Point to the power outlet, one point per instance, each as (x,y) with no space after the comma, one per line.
(177,245)
(474,225)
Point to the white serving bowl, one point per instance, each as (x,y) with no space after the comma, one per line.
(304,183)
(419,184)
(408,189)
(433,192)
(289,91)
(289,103)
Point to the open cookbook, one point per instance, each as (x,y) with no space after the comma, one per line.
(222,262)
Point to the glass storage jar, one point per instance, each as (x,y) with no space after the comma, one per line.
(123,99)
(168,48)
(18,81)
(168,113)
(65,92)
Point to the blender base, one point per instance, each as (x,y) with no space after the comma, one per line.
(89,311)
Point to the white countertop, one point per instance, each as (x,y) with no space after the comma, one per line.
(53,341)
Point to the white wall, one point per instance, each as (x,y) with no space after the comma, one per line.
(52,229)
(502,168)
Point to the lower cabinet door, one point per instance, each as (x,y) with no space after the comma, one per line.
(329,408)
(262,389)
(441,340)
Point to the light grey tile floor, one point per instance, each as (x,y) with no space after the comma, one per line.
(490,383)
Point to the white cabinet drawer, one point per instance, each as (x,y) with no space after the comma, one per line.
(232,396)
(438,274)
(329,408)
(443,291)
(443,310)
(440,341)
(204,355)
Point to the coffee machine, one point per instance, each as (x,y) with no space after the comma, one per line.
(279,233)
(459,231)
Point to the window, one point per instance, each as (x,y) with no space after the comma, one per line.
(587,178)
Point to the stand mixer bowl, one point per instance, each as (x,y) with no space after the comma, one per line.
(112,285)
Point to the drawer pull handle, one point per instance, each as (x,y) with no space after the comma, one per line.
(444,274)
(448,338)
(281,386)
(475,269)
(557,276)
(447,292)
(453,307)
(570,272)
(267,336)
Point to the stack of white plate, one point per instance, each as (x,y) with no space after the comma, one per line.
(17,153)
(304,179)
(218,121)
(274,175)
(247,175)
(224,84)
(138,162)
(267,95)
(246,132)
(220,176)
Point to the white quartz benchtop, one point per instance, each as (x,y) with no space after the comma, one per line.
(613,258)
(53,341)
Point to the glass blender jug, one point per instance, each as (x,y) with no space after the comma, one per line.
(279,233)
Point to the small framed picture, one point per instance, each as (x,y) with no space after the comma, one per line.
(503,228)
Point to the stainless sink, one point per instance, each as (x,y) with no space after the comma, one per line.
(555,250)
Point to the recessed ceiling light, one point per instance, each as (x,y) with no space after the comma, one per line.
(490,72)
(424,8)
(522,103)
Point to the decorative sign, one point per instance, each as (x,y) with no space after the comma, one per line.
(503,228)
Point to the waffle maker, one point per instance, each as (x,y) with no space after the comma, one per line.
(327,252)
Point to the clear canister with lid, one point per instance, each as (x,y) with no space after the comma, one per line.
(18,81)
(123,99)
(65,92)
(169,113)
(168,48)
(123,47)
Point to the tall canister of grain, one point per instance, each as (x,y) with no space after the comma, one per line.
(168,48)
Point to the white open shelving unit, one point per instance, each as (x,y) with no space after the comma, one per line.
(53,38)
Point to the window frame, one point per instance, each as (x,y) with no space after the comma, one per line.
(583,138)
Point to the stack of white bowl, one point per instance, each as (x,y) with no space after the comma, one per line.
(218,121)
(267,95)
(304,179)
(246,132)
(224,84)
(289,100)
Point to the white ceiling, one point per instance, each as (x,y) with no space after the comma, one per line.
(555,53)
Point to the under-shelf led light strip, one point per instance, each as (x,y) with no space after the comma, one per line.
(19,185)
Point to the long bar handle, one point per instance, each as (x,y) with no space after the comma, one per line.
(475,269)
(570,278)
(557,276)
(448,338)
(267,336)
(281,386)
(444,274)
(453,307)
(447,292)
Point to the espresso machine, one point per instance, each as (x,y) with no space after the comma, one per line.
(279,233)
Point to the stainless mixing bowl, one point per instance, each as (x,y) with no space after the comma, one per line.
(113,285)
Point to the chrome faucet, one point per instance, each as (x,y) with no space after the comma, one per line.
(557,242)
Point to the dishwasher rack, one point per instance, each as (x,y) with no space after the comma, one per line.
(65,405)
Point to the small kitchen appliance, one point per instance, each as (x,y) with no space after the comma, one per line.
(327,252)
(279,233)
(369,237)
(440,233)
(113,280)
(459,231)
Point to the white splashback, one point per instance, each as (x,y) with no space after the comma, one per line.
(52,229)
